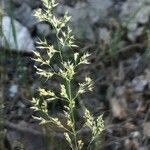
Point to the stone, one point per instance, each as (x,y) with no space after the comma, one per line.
(13,90)
(139,83)
(23,40)
(80,23)
(79,20)
(118,108)
(13,139)
(133,34)
(98,9)
(83,30)
(31,3)
(143,148)
(140,10)
(135,134)
(21,105)
(85,15)
(43,29)
(146,129)
(104,35)
(25,15)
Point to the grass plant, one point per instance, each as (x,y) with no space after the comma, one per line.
(66,72)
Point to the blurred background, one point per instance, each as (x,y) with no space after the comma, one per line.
(116,33)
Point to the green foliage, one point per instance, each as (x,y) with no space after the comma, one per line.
(66,71)
(96,126)
(116,42)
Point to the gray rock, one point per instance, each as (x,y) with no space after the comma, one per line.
(140,10)
(79,20)
(23,40)
(25,15)
(84,15)
(104,35)
(98,9)
(43,29)
(83,30)
(13,90)
(133,34)
(21,105)
(143,148)
(31,3)
(25,140)
(139,83)
(13,139)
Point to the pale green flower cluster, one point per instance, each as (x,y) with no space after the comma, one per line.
(66,70)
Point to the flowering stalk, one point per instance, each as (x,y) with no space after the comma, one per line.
(65,39)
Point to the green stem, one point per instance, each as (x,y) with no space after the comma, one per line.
(69,90)
(71,100)
(59,48)
(89,144)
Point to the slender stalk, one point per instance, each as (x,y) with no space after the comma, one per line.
(71,100)
(89,144)
(59,48)
(69,90)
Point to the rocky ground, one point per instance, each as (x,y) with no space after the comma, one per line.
(117,35)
